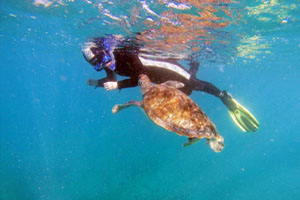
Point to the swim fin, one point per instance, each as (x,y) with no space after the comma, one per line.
(239,114)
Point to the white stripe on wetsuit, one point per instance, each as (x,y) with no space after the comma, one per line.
(165,65)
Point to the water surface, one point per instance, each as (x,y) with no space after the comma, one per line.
(59,139)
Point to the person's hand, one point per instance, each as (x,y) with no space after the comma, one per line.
(92,82)
(112,85)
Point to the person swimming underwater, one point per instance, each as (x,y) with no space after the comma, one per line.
(123,57)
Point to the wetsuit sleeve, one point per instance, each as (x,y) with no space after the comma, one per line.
(126,83)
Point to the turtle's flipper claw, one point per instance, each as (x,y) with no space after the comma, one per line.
(240,115)
(115,109)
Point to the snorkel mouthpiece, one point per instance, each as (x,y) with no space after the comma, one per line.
(112,67)
(98,67)
(106,62)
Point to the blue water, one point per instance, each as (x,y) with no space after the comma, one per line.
(59,139)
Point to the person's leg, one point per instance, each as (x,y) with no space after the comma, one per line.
(239,114)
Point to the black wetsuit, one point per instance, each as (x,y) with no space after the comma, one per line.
(130,62)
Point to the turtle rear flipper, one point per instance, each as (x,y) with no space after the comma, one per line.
(190,142)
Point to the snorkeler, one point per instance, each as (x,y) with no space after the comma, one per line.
(123,57)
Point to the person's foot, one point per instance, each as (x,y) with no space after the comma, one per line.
(239,114)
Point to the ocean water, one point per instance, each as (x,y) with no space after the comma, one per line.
(59,139)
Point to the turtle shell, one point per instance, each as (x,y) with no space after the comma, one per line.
(173,110)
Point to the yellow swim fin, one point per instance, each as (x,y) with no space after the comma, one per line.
(240,115)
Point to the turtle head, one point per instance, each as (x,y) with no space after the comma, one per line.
(216,143)
(145,83)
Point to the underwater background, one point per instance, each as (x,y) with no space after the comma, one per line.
(60,140)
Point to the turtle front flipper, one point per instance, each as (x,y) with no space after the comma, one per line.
(191,141)
(175,84)
(119,107)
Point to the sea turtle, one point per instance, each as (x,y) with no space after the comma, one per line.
(173,110)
